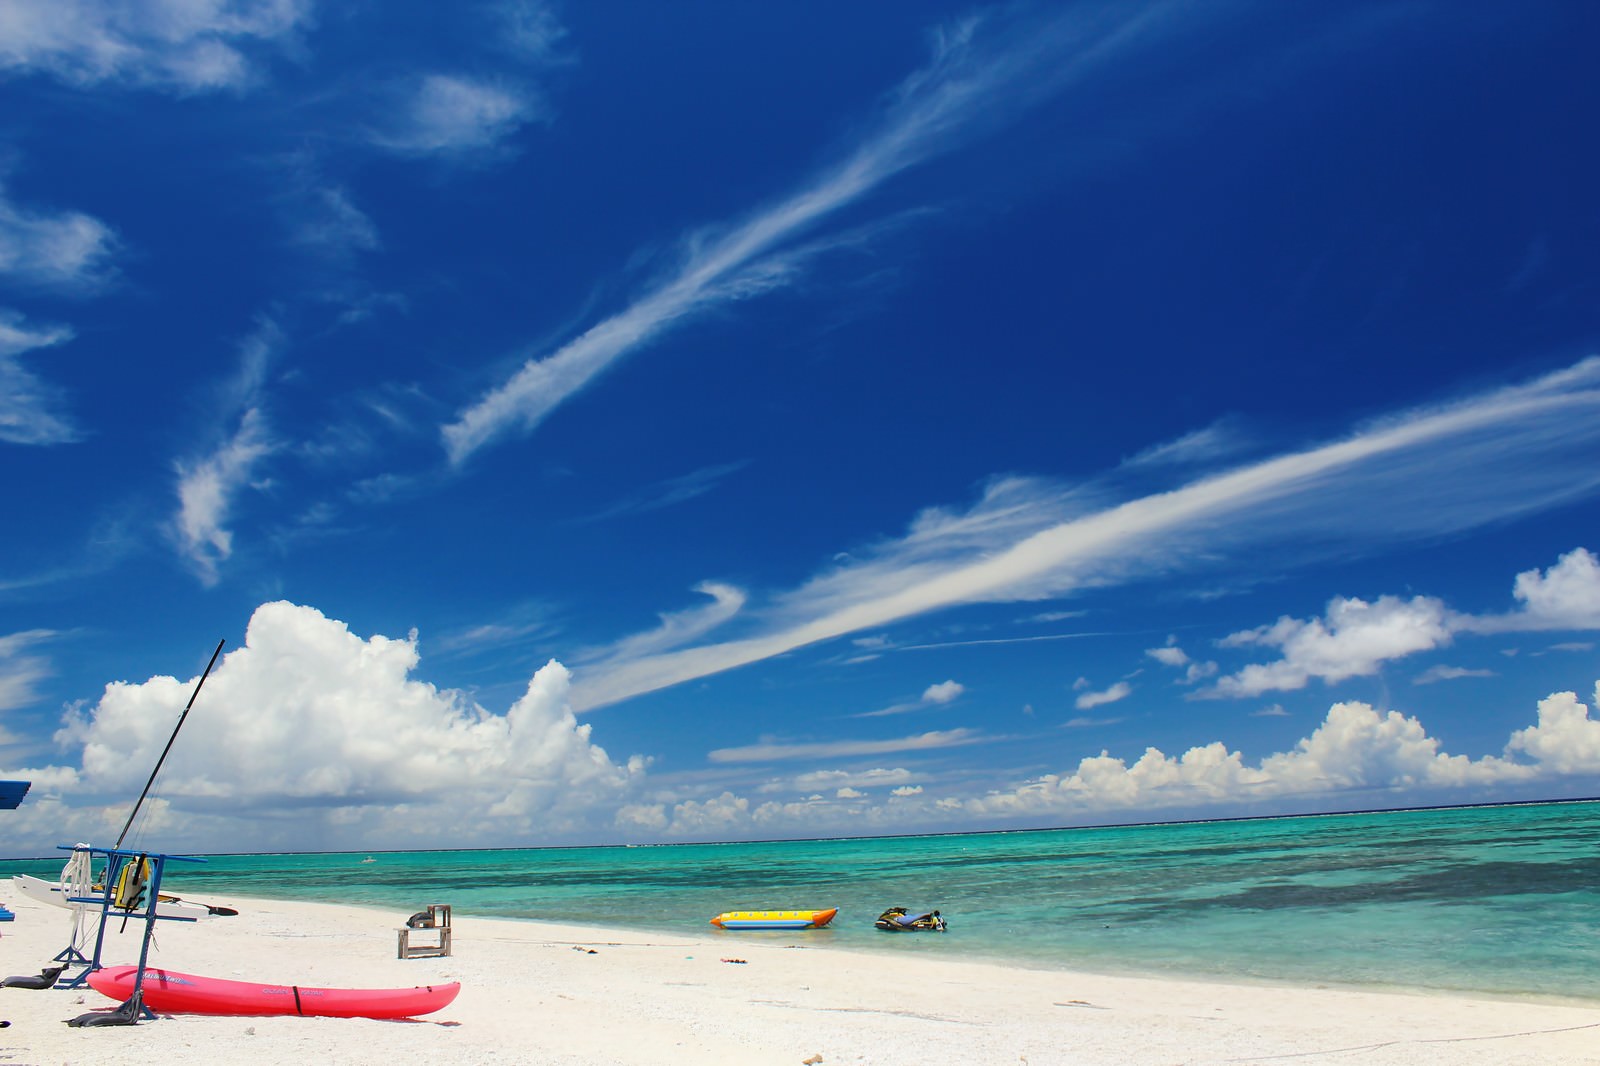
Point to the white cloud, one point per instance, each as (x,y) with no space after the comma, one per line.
(66,251)
(717,818)
(309,731)
(670,492)
(642,817)
(1356,748)
(1447,673)
(1174,656)
(1203,445)
(933,696)
(1169,655)
(27,403)
(20,671)
(829,749)
(1357,755)
(445,115)
(1120,691)
(1354,638)
(1435,471)
(530,29)
(961,91)
(188,45)
(1085,722)
(677,628)
(311,736)
(819,780)
(209,483)
(206,488)
(1567,596)
(1565,740)
(1359,747)
(326,220)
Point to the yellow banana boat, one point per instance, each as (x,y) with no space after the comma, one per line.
(774,919)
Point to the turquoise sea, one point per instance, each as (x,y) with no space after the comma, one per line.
(1502,899)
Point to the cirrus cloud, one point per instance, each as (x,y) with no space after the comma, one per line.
(448,115)
(186,45)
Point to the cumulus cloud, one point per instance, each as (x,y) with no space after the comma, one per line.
(309,728)
(1357,755)
(1565,740)
(447,115)
(1352,639)
(1356,638)
(186,45)
(310,735)
(28,406)
(1356,748)
(719,817)
(820,780)
(1170,655)
(1566,596)
(67,251)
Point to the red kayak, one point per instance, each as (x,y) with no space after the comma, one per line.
(182,993)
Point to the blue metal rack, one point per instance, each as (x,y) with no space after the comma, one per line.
(116,860)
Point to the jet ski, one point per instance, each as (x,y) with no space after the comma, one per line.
(896,920)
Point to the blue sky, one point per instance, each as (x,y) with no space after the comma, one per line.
(639,422)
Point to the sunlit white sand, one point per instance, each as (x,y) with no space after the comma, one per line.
(558,994)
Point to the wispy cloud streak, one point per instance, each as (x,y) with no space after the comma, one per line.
(448,115)
(971,85)
(209,483)
(20,672)
(26,402)
(833,749)
(1424,473)
(187,46)
(68,251)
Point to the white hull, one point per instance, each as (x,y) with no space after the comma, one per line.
(41,891)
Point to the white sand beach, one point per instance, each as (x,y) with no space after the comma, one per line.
(578,996)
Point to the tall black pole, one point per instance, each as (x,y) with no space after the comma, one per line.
(132,814)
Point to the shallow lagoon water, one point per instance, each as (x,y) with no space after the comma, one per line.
(1502,899)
